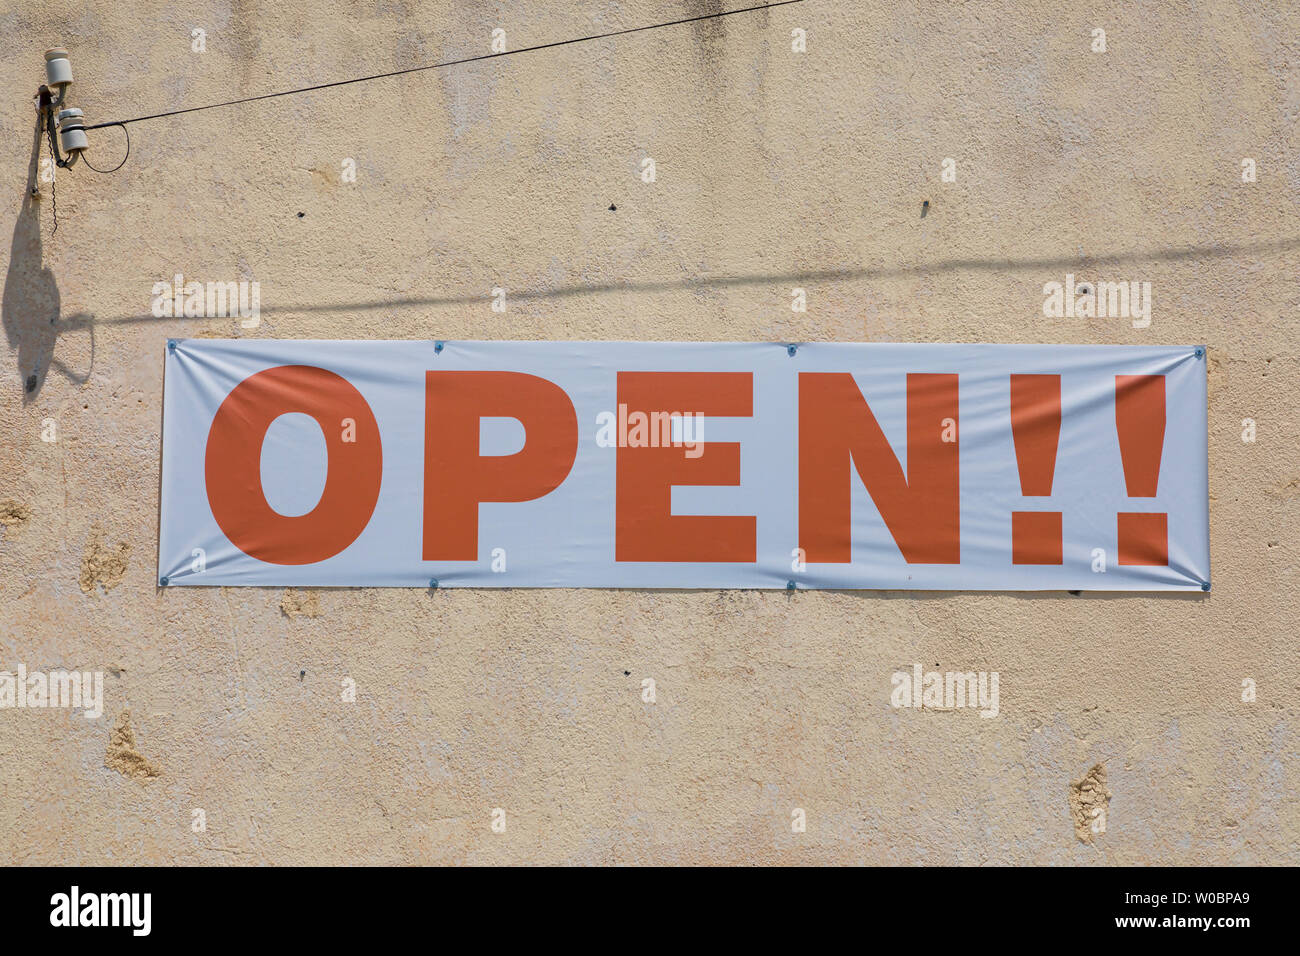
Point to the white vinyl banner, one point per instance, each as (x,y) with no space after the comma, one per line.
(684,465)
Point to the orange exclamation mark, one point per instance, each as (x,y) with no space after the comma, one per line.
(1036,431)
(1140,422)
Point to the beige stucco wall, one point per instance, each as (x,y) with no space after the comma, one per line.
(774,170)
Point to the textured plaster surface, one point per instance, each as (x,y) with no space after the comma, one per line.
(775,170)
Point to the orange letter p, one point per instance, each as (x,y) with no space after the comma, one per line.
(457,477)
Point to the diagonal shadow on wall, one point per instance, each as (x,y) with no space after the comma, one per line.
(33,324)
(1050,265)
(31,295)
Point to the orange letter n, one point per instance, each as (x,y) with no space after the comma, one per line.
(837,431)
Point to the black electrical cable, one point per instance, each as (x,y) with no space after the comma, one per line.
(124,158)
(55,156)
(54,189)
(445,63)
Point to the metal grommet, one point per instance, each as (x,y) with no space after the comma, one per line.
(437,346)
(789,585)
(433,584)
(164,581)
(1205,586)
(791,349)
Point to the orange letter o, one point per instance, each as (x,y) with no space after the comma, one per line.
(233,465)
